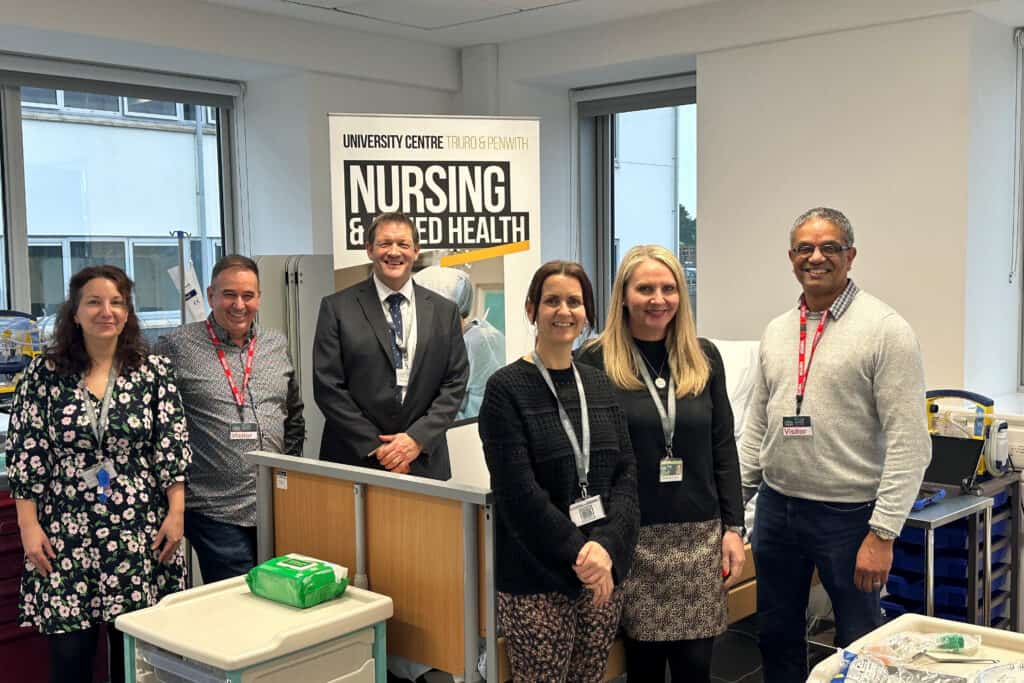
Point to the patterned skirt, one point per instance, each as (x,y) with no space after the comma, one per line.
(674,590)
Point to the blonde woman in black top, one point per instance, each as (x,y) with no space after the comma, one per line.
(671,386)
(564,482)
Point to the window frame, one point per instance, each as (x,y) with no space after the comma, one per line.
(218,97)
(207,244)
(592,167)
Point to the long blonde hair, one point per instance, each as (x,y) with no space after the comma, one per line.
(686,360)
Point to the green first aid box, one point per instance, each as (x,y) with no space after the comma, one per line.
(297,580)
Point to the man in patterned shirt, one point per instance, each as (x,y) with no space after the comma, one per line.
(240,394)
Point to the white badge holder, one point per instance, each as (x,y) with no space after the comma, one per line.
(670,470)
(586,510)
(89,475)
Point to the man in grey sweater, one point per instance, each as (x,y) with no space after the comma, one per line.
(836,442)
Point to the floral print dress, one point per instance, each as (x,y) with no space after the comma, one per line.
(105,565)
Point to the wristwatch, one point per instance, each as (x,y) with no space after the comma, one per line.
(741,530)
(883,534)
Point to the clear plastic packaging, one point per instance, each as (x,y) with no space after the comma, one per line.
(297,580)
(900,648)
(865,668)
(1003,673)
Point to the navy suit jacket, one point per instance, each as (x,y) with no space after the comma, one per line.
(354,378)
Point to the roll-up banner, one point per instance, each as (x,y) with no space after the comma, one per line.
(471,186)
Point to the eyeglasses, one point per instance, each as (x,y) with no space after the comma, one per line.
(828,249)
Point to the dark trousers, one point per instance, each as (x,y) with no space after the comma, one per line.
(71,655)
(792,538)
(689,661)
(224,550)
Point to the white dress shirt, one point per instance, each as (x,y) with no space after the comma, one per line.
(408,307)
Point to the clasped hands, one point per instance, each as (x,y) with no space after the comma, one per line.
(397,452)
(593,567)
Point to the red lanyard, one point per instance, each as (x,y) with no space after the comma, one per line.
(803,360)
(239,395)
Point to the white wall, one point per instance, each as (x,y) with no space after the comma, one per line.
(276,172)
(992,302)
(873,122)
(857,105)
(288,152)
(194,37)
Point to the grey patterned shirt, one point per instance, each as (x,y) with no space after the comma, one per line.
(221,485)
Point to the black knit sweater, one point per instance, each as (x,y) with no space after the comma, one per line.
(534,479)
(703,439)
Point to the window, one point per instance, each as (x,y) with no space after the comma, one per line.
(154,289)
(84,254)
(638,176)
(105,183)
(46,268)
(39,96)
(91,101)
(141,106)
(198,259)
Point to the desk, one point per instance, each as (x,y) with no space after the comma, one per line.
(942,513)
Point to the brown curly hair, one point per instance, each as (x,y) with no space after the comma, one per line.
(67,349)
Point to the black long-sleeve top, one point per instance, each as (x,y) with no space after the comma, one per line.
(704,440)
(534,478)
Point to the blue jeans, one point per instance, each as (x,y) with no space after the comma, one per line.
(224,550)
(792,538)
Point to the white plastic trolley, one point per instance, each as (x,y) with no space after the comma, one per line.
(222,632)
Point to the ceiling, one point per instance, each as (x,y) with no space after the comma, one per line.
(460,23)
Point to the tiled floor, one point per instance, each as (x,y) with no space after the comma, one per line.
(737,659)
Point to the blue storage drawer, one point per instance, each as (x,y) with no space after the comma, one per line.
(953,536)
(948,592)
(893,606)
(948,564)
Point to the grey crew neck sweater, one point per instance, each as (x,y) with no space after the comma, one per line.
(865,397)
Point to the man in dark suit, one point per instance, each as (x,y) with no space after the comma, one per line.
(389,363)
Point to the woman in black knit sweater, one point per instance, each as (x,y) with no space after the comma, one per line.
(564,482)
(671,386)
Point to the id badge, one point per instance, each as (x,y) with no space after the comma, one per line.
(402,377)
(670,470)
(90,478)
(586,510)
(797,425)
(243,431)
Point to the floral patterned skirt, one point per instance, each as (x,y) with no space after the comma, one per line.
(674,590)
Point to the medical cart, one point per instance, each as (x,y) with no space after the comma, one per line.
(222,632)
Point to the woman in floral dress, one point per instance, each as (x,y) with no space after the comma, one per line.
(97,454)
